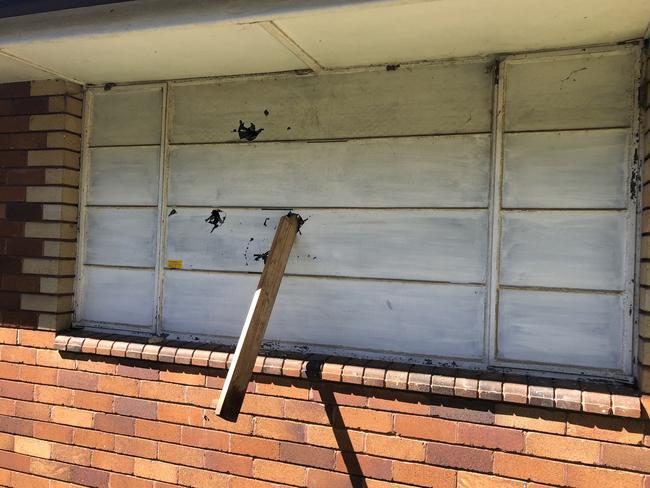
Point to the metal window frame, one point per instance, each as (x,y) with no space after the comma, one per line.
(489,360)
(629,338)
(84,176)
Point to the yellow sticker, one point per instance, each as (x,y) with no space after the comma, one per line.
(175,263)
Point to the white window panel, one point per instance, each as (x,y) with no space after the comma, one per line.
(123,176)
(570,329)
(570,169)
(439,98)
(564,249)
(403,186)
(448,171)
(126,117)
(570,92)
(118,296)
(385,317)
(121,236)
(432,245)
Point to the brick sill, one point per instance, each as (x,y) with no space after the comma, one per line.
(575,396)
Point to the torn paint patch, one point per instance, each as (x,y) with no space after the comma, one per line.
(249,133)
(262,257)
(246,250)
(216,219)
(301,221)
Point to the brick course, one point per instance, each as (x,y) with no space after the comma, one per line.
(134,422)
(40,129)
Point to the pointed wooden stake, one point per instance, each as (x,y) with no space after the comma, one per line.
(257,319)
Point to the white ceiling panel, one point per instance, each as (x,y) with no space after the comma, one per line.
(11,71)
(196,51)
(183,41)
(459,28)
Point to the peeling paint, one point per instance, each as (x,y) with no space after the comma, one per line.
(263,256)
(301,221)
(249,133)
(216,219)
(246,250)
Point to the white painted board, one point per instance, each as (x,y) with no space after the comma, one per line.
(564,249)
(432,245)
(447,171)
(573,329)
(408,318)
(571,169)
(439,98)
(126,117)
(582,91)
(123,176)
(118,296)
(121,236)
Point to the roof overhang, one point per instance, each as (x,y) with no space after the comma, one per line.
(143,40)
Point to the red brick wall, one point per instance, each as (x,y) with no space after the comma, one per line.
(40,123)
(98,421)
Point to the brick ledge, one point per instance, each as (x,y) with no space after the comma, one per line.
(574,396)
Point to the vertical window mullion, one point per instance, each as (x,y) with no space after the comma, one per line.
(161,235)
(84,173)
(634,230)
(495,211)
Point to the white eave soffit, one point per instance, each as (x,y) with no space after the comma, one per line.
(146,40)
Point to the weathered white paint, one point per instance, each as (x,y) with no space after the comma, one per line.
(431,320)
(446,29)
(118,296)
(407,230)
(121,236)
(564,249)
(573,169)
(446,171)
(123,175)
(12,70)
(572,329)
(132,41)
(126,117)
(572,92)
(447,99)
(432,245)
(159,54)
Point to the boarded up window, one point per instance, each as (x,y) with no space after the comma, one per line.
(434,233)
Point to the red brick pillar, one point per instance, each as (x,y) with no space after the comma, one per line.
(644,316)
(40,127)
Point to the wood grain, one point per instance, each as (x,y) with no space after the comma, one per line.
(259,313)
